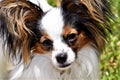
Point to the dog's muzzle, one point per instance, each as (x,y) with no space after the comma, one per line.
(63,59)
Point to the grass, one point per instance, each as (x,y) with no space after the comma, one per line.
(110,58)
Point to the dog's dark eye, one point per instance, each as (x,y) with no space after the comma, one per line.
(47,43)
(71,37)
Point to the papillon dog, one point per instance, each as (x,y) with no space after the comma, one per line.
(54,43)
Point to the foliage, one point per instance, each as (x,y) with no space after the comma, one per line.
(52,2)
(110,59)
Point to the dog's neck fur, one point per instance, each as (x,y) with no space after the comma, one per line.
(84,68)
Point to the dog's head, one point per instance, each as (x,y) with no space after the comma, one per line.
(60,31)
(68,28)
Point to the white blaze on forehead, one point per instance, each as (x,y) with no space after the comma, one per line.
(53,23)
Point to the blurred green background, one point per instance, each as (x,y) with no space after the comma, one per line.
(110,58)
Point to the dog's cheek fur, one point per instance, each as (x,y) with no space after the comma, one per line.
(39,47)
(81,41)
(81,38)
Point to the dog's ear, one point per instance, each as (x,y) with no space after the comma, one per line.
(92,16)
(71,6)
(99,10)
(18,27)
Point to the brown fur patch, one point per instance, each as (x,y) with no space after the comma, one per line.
(94,7)
(39,47)
(81,38)
(68,29)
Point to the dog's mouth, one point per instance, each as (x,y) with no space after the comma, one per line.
(63,61)
(64,66)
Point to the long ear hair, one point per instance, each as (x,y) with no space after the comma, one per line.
(18,26)
(91,16)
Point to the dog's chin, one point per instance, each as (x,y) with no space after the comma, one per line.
(64,66)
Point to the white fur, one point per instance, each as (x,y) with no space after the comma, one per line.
(54,28)
(1,59)
(18,72)
(3,68)
(53,23)
(85,67)
(63,49)
(43,4)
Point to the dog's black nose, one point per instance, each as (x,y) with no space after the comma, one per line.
(61,58)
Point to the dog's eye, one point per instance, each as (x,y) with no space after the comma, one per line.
(71,37)
(48,43)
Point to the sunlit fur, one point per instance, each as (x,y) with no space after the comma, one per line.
(18,27)
(93,17)
(77,28)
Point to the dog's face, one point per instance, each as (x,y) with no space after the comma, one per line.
(68,28)
(62,41)
(60,32)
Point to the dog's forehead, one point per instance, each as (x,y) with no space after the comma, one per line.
(53,23)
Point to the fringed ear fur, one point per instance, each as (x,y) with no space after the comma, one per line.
(93,15)
(19,26)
